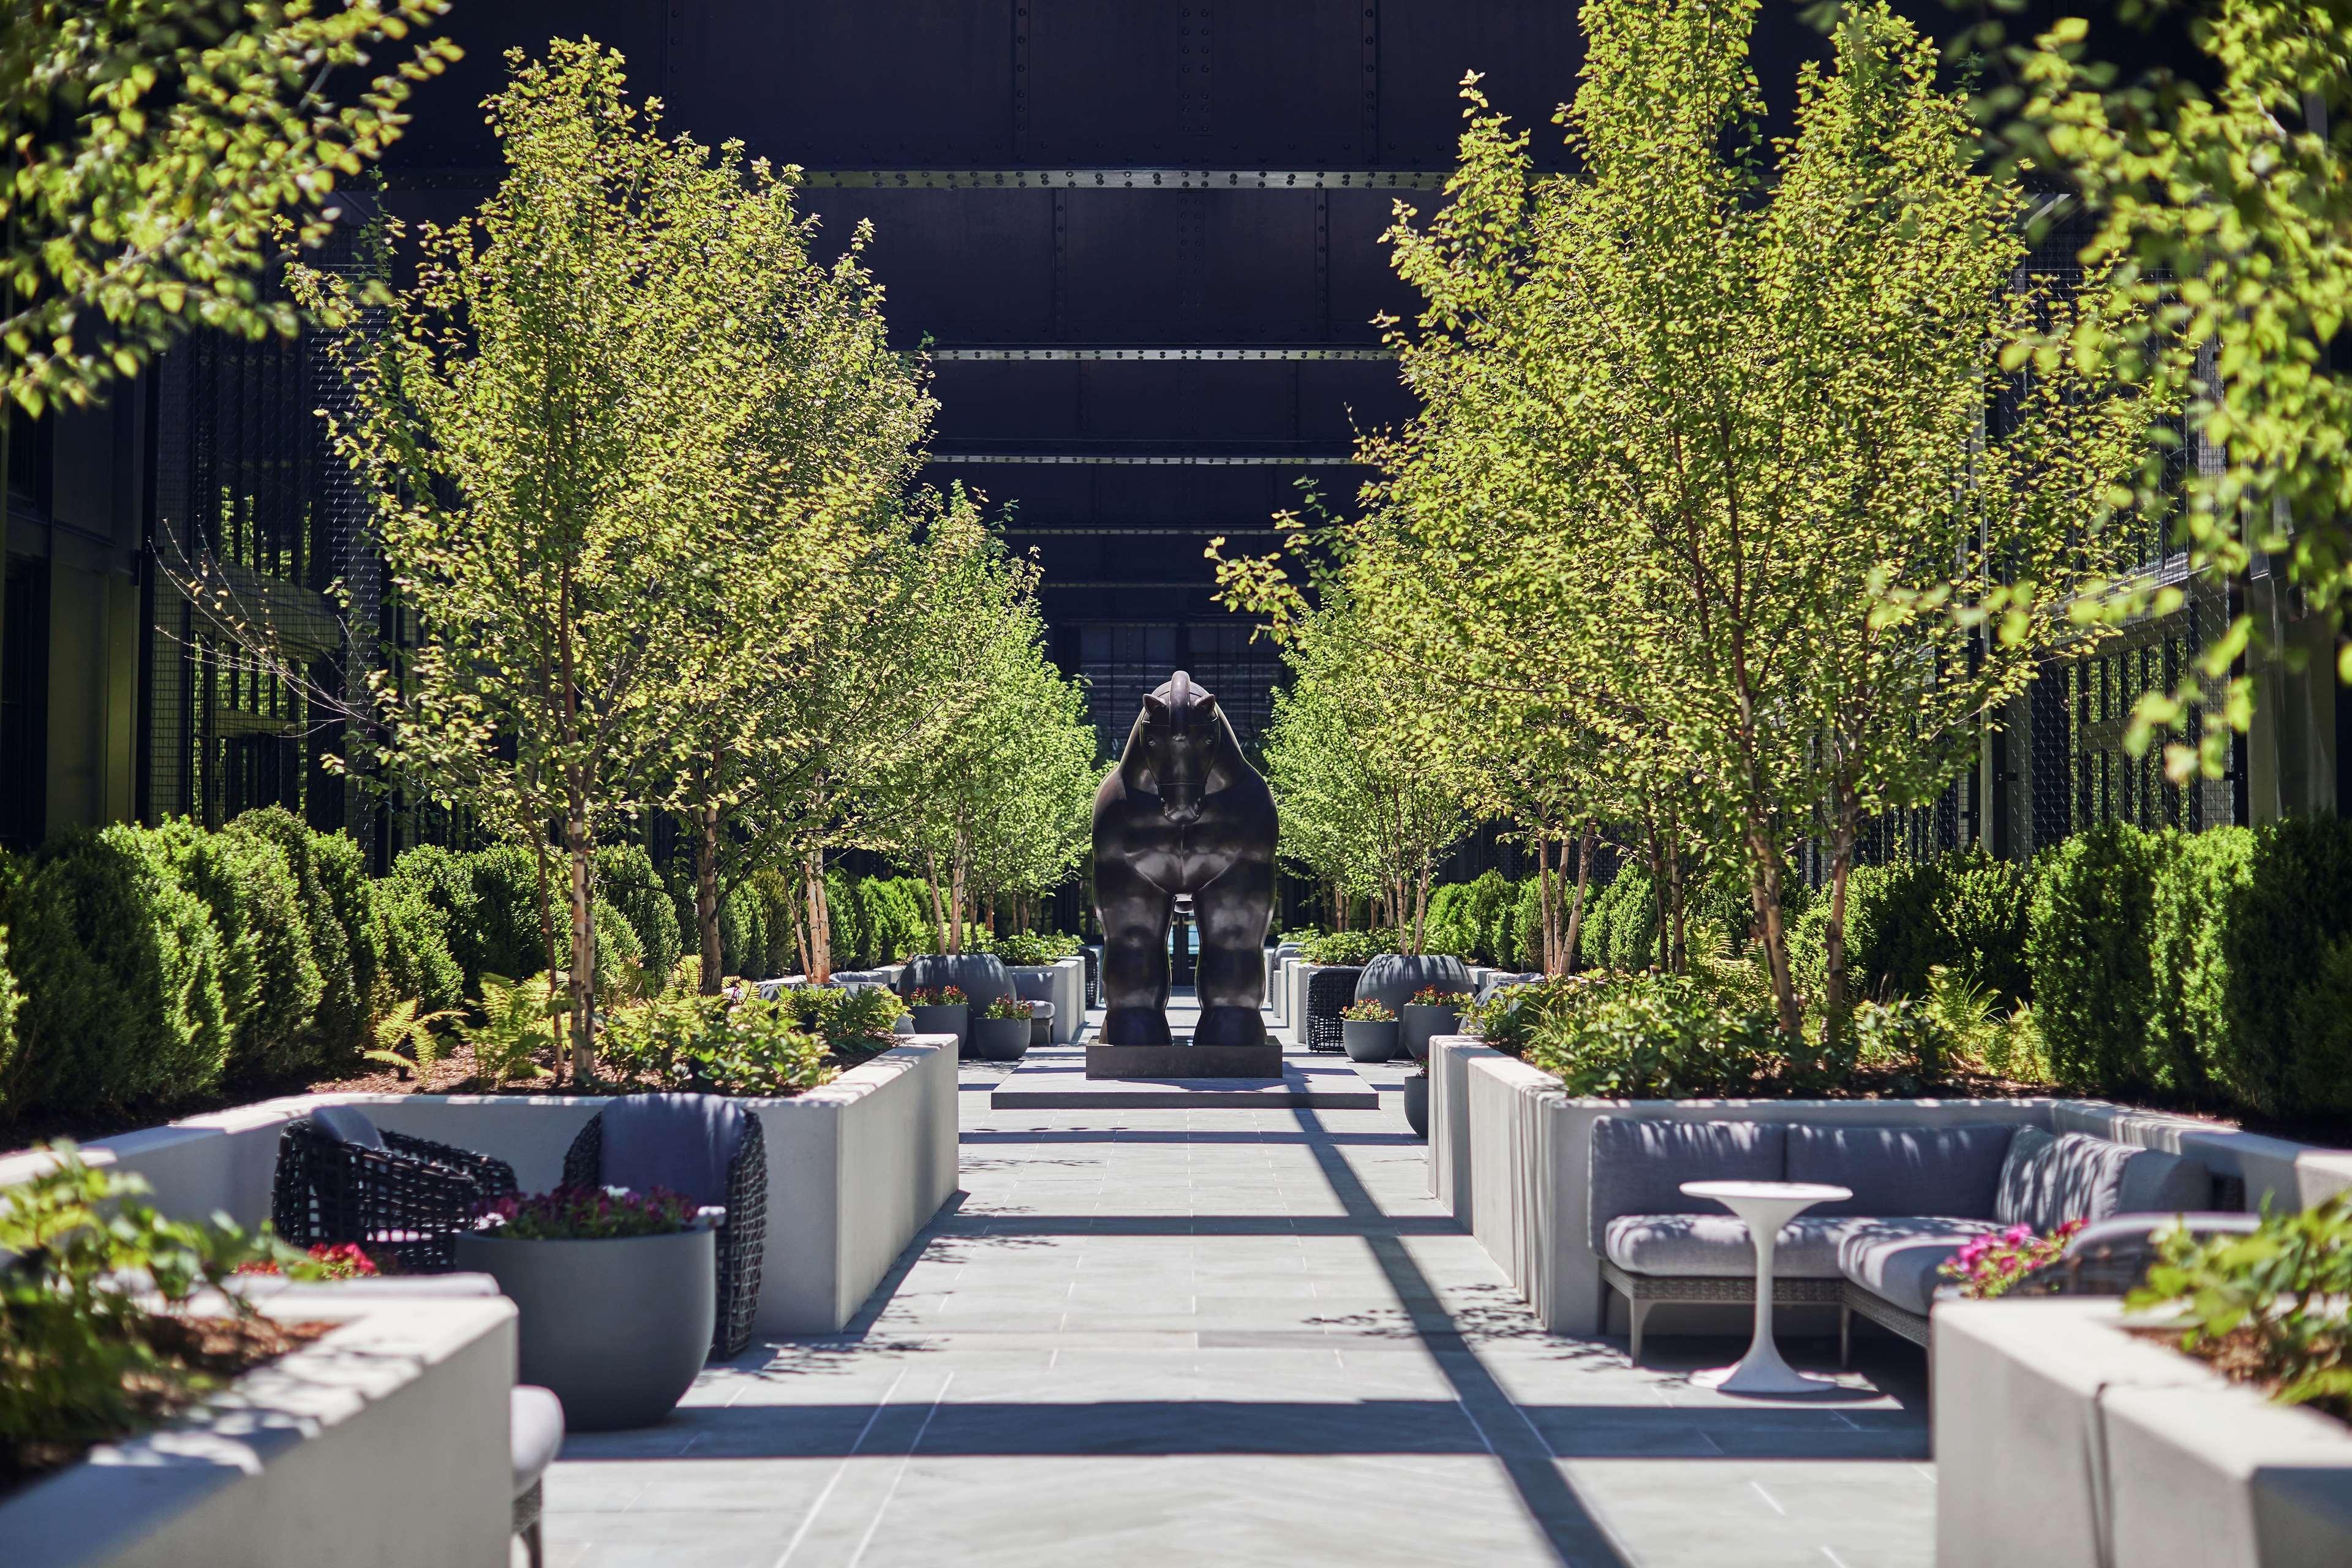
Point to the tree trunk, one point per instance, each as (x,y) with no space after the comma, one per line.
(1420,910)
(938,909)
(1680,962)
(546,915)
(1835,1002)
(956,903)
(580,848)
(1576,909)
(1663,935)
(705,896)
(1764,888)
(820,958)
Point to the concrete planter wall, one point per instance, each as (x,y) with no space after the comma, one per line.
(1063,983)
(855,1169)
(1530,1152)
(1295,1000)
(389,1435)
(2062,1439)
(1449,1120)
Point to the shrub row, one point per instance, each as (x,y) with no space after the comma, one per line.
(150,965)
(2209,964)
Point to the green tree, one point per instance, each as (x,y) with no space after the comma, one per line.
(2222,259)
(161,153)
(534,419)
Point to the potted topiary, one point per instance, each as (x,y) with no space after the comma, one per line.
(1434,1010)
(617,1293)
(945,1011)
(1001,1033)
(1368,1031)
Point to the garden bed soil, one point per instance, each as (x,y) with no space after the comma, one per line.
(2238,1356)
(202,1356)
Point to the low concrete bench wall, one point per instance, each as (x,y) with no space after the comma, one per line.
(387,1438)
(1529,1157)
(2061,1438)
(855,1169)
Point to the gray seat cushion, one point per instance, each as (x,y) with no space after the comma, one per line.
(534,1433)
(1638,1163)
(681,1141)
(1903,1170)
(1717,1246)
(347,1125)
(2048,1180)
(1895,1256)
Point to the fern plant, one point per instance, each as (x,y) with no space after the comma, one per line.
(517,1023)
(405,1026)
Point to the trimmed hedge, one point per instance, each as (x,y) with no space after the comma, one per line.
(626,880)
(2284,1040)
(121,969)
(341,1016)
(1967,912)
(270,980)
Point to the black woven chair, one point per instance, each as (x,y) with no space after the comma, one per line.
(1328,992)
(341,1180)
(712,1150)
(1093,975)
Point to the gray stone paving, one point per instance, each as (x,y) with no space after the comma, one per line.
(1233,1337)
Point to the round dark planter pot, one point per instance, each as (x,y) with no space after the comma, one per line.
(981,976)
(955,1020)
(1393,979)
(999,1039)
(1369,1040)
(1416,1104)
(1416,1023)
(617,1328)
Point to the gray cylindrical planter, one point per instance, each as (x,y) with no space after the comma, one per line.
(1416,1103)
(955,1020)
(1369,1040)
(999,1039)
(1416,1023)
(617,1328)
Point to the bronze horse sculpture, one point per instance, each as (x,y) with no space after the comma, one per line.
(1184,813)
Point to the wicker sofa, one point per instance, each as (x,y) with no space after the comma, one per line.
(1919,1193)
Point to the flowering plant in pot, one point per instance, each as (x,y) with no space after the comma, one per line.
(941,1010)
(1368,1030)
(617,1292)
(1986,1266)
(1001,1033)
(1434,1010)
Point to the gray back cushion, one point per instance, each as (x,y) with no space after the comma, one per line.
(346,1125)
(1639,1165)
(681,1141)
(2049,1181)
(1951,1171)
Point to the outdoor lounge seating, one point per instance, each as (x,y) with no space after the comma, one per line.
(341,1180)
(534,1435)
(1919,1193)
(1328,991)
(710,1149)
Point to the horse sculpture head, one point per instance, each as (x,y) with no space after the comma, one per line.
(1181,738)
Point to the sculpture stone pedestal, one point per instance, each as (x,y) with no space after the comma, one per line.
(1185,1061)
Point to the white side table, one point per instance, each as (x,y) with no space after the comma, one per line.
(1764,1208)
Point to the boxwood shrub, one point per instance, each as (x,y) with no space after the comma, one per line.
(342,1016)
(2286,989)
(121,971)
(2094,981)
(626,880)
(269,977)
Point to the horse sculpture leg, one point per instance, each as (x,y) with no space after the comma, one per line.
(1134,915)
(1232,913)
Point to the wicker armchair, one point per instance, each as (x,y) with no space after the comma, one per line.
(741,1191)
(1093,975)
(339,1180)
(1328,991)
